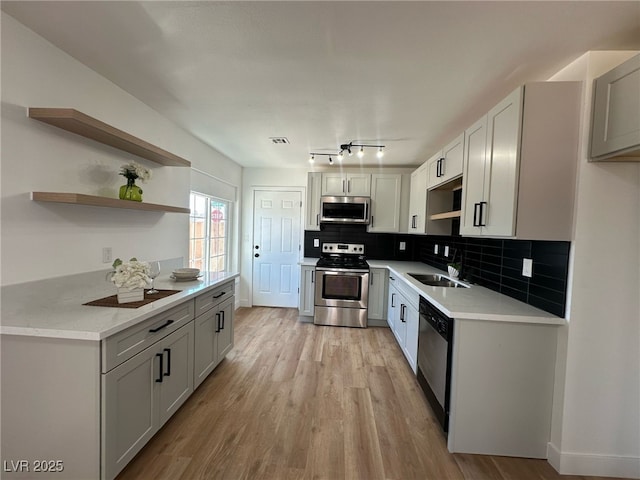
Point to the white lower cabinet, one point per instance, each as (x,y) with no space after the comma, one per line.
(376,309)
(403,318)
(214,329)
(213,340)
(307,290)
(141,394)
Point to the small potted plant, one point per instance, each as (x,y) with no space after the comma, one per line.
(454,269)
(454,266)
(133,171)
(130,277)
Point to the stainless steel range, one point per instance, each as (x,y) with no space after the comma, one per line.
(342,286)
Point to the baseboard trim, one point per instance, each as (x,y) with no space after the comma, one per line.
(570,463)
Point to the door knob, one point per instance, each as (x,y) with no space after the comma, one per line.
(257,255)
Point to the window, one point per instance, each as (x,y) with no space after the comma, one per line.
(209,232)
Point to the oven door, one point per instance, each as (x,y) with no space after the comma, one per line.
(342,288)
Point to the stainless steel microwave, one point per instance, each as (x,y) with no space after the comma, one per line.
(345,210)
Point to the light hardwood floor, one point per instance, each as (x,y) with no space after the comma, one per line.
(298,401)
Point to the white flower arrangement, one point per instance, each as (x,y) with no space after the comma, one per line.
(134,170)
(130,275)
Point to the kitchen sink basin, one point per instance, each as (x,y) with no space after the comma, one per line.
(436,280)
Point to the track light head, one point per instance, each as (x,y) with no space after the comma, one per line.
(341,155)
(312,158)
(380,153)
(361,152)
(330,161)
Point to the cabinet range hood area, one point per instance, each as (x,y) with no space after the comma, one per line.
(426,312)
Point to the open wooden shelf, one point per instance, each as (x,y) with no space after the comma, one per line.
(95,201)
(450,186)
(445,215)
(89,127)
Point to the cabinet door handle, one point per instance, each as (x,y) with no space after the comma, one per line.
(343,190)
(372,220)
(218,296)
(168,372)
(402,312)
(475,214)
(159,379)
(482,220)
(217,322)
(313,276)
(164,325)
(222,312)
(317,219)
(393,297)
(348,186)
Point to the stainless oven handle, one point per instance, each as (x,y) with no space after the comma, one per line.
(336,271)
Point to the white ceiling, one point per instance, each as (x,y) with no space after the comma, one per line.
(410,75)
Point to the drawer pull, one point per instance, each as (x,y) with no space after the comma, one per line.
(218,296)
(159,379)
(168,372)
(164,325)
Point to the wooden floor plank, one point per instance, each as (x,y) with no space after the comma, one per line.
(295,400)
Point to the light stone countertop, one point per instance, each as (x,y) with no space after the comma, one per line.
(473,303)
(54,307)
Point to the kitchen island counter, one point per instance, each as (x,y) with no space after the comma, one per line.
(54,308)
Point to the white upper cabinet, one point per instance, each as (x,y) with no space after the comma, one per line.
(615,129)
(447,164)
(520,162)
(346,184)
(418,199)
(312,212)
(385,202)
(474,175)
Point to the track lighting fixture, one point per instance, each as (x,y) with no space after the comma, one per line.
(312,156)
(347,147)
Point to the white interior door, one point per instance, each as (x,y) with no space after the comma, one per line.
(276,248)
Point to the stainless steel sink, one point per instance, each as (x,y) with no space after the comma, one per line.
(436,280)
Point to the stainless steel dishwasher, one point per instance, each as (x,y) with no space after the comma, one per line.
(434,359)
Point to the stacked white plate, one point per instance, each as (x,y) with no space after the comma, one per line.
(185,274)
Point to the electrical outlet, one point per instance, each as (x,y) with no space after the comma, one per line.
(527,267)
(316,242)
(435,249)
(107,256)
(403,245)
(446,250)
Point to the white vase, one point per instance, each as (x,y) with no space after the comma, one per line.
(126,296)
(453,273)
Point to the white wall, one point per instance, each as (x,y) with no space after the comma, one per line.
(41,240)
(596,422)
